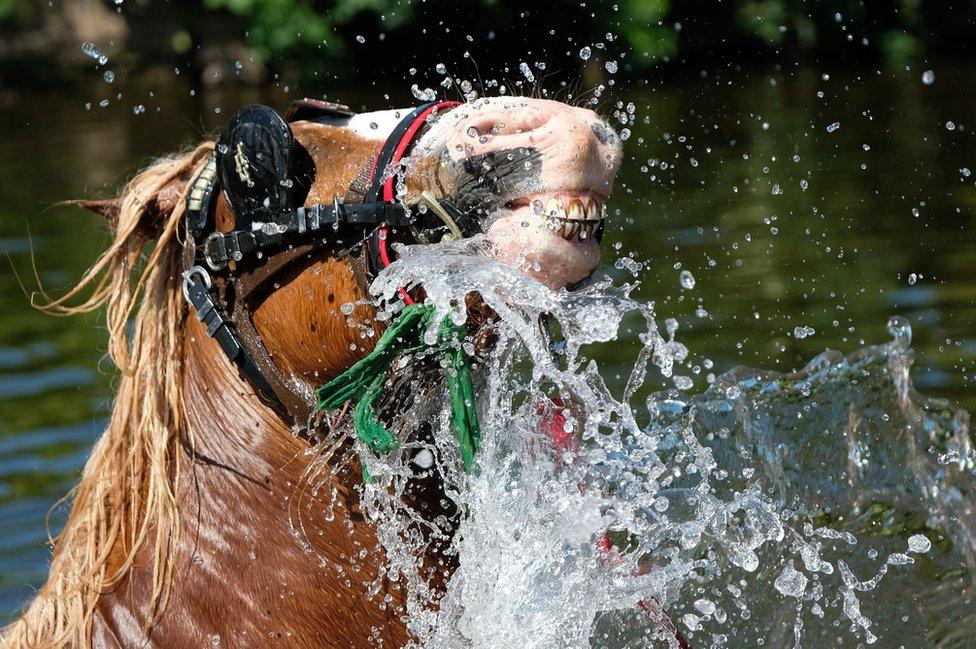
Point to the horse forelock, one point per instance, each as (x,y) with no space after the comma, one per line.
(127,493)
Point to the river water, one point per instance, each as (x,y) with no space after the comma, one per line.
(799,236)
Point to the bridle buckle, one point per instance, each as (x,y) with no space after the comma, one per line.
(214,249)
(188,280)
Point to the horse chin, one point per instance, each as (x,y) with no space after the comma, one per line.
(556,254)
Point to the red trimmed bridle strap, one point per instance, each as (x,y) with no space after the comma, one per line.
(383,178)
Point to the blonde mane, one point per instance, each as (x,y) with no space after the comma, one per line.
(127,494)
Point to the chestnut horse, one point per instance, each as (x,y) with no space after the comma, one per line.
(194,522)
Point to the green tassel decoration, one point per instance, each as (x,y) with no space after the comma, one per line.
(365,380)
(464,415)
(401,337)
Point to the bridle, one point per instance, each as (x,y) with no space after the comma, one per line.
(264,175)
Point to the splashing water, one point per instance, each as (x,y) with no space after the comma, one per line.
(777,510)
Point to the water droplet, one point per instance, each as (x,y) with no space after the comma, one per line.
(707,607)
(671,326)
(526,72)
(687,280)
(833,127)
(912,278)
(585,53)
(791,582)
(424,459)
(919,543)
(427,94)
(899,559)
(777,190)
(360,39)
(91,51)
(611,67)
(109,76)
(950,125)
(691,621)
(683,382)
(900,329)
(928,77)
(215,639)
(440,68)
(803,332)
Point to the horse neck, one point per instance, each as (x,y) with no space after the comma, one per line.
(268,543)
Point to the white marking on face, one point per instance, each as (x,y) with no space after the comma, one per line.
(376,125)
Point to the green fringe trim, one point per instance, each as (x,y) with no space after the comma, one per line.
(365,380)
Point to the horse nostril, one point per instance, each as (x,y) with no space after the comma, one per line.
(536,120)
(510,123)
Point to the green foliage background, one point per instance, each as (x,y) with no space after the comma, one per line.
(357,39)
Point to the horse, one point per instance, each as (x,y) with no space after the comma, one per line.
(195,521)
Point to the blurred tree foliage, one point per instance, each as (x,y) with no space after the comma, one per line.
(650,30)
(361,39)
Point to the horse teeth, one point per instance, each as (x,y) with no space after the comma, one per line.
(555,208)
(577,219)
(576,210)
(592,211)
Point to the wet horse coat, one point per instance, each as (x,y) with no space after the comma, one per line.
(201,517)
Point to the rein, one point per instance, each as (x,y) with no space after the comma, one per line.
(262,172)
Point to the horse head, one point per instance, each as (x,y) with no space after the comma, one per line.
(531,175)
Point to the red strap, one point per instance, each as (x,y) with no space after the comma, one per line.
(404,144)
(389,193)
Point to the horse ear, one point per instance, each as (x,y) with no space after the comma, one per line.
(108,208)
(160,206)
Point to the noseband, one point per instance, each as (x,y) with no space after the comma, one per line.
(264,175)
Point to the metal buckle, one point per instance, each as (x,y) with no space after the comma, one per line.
(208,250)
(188,275)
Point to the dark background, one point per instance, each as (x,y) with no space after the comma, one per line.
(313,42)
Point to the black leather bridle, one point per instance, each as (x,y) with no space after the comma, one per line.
(264,175)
